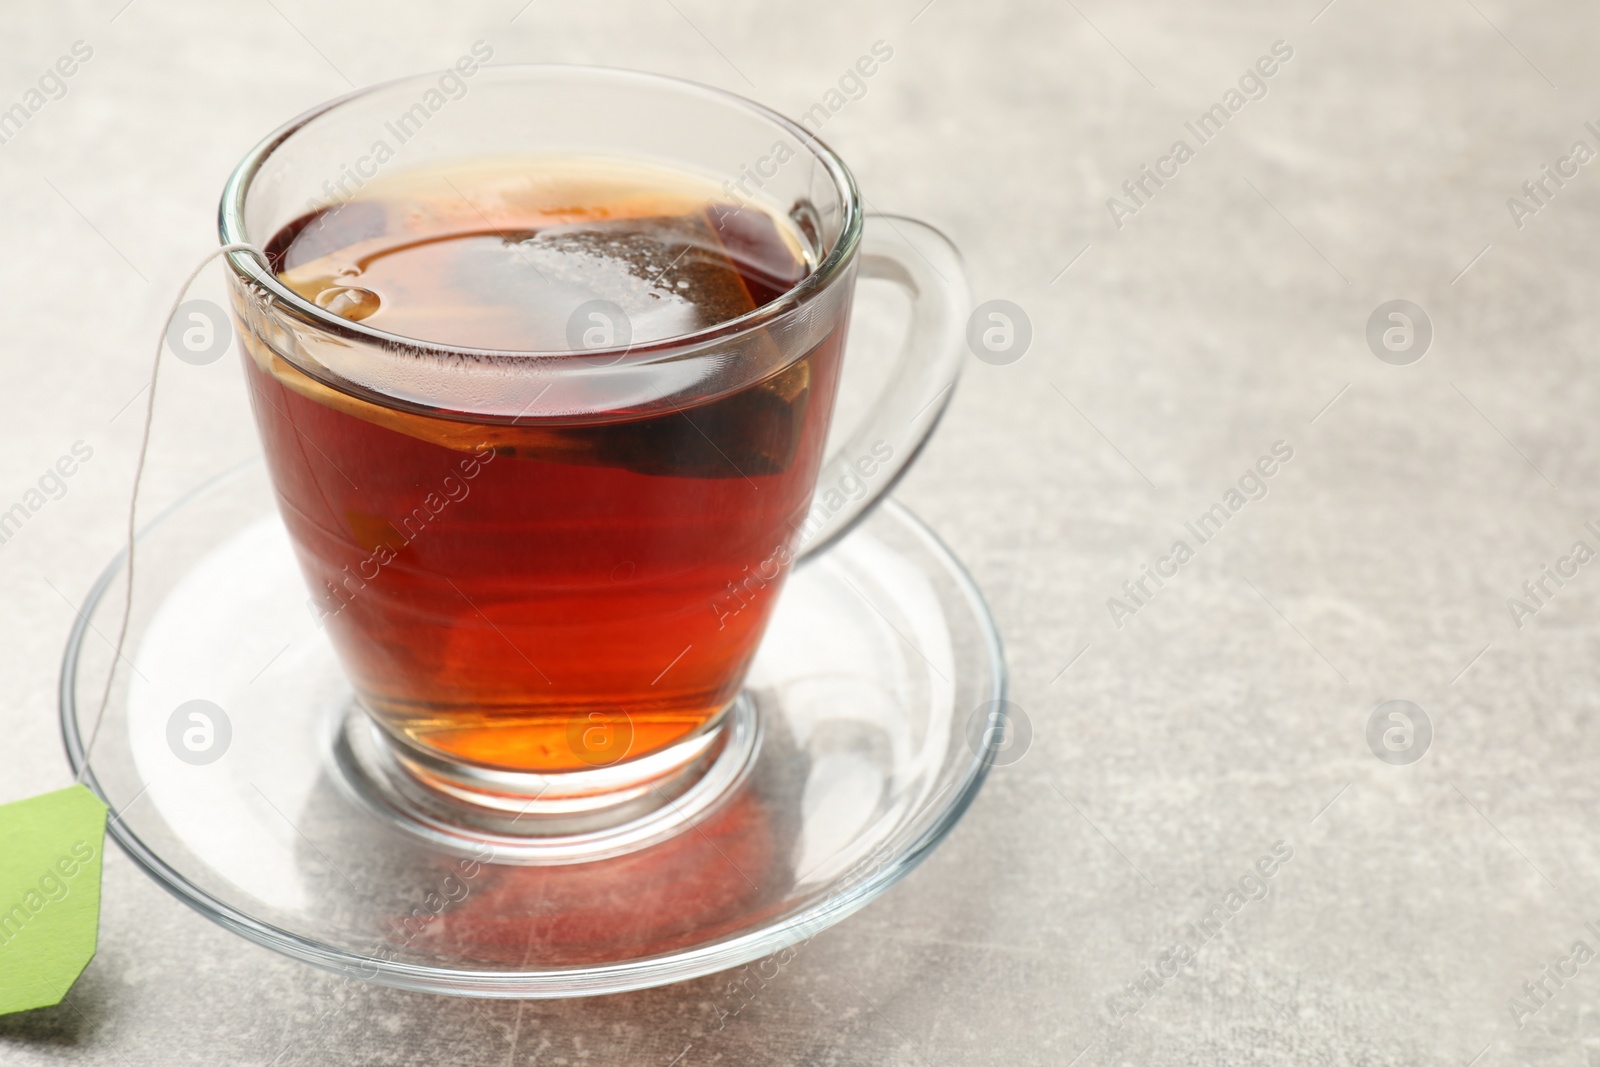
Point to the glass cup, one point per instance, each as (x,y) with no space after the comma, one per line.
(547,572)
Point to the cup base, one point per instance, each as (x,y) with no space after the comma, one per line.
(565,817)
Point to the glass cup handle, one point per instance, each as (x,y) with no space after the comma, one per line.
(923,262)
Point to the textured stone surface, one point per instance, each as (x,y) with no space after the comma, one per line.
(1223,316)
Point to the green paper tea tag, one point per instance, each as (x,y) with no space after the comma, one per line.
(50,848)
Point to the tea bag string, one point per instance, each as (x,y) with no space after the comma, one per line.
(138,474)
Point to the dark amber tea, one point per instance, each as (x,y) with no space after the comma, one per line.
(542,593)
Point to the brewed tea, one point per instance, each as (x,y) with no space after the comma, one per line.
(529,593)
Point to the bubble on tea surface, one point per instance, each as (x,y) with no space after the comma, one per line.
(349,301)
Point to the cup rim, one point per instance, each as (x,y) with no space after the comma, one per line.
(231,230)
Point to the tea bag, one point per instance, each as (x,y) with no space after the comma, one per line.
(726,264)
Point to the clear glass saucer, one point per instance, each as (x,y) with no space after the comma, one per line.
(859,755)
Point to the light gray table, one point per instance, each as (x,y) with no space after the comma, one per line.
(1170,753)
